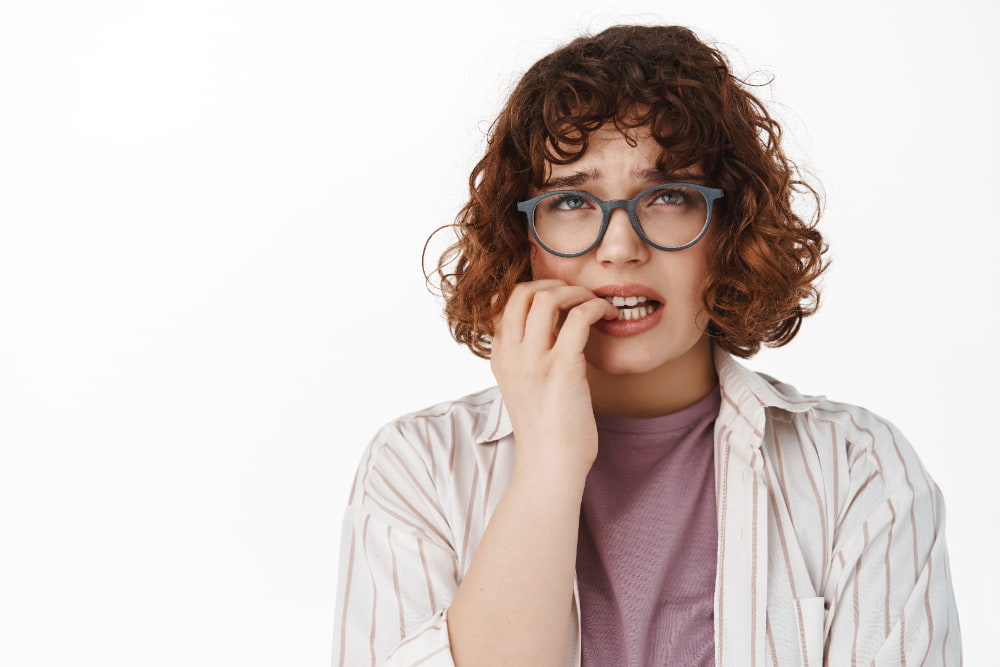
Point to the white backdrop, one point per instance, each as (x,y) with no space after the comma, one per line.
(211,218)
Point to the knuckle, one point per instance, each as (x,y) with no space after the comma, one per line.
(521,288)
(545,299)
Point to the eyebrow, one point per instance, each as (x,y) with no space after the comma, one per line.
(677,176)
(574,180)
(580,178)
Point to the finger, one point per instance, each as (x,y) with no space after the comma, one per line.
(547,307)
(576,329)
(515,313)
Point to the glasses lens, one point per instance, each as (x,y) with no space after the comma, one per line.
(567,222)
(673,215)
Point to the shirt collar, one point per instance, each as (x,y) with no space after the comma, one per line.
(497,423)
(745,395)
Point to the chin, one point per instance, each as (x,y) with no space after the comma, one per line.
(619,366)
(619,357)
(626,362)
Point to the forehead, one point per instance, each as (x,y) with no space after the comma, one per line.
(618,152)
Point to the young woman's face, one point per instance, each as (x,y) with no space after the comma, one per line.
(624,265)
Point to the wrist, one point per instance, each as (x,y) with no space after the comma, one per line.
(553,473)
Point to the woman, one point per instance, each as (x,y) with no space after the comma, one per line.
(630,494)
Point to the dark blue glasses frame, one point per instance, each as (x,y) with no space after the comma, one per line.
(528,207)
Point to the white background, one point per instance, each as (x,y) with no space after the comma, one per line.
(211,220)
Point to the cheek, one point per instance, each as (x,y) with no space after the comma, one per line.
(699,276)
(546,265)
(686,281)
(697,264)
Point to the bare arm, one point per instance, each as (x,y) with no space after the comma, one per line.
(514,605)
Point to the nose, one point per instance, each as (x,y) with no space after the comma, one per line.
(621,244)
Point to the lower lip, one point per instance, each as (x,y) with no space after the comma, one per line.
(624,328)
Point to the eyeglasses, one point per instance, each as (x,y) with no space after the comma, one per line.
(670,217)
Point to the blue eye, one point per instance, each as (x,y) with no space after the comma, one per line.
(568,202)
(671,196)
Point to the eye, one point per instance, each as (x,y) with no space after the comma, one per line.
(674,196)
(568,202)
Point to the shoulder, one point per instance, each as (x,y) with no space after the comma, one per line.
(438,472)
(850,446)
(443,424)
(866,443)
(851,470)
(428,445)
(841,441)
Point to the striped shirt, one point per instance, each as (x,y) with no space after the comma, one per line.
(831,543)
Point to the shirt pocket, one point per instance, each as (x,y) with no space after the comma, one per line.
(809,616)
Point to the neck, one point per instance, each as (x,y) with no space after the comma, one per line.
(670,388)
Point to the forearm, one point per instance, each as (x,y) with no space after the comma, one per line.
(514,605)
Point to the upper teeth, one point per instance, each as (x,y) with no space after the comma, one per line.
(620,301)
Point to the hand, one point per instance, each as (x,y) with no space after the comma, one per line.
(542,372)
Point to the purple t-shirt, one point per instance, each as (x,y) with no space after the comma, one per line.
(646,554)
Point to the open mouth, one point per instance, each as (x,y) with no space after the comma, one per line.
(633,307)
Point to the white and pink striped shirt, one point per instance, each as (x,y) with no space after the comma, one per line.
(831,534)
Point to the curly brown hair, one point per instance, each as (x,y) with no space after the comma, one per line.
(763,258)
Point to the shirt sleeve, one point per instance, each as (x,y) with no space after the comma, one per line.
(893,602)
(398,568)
